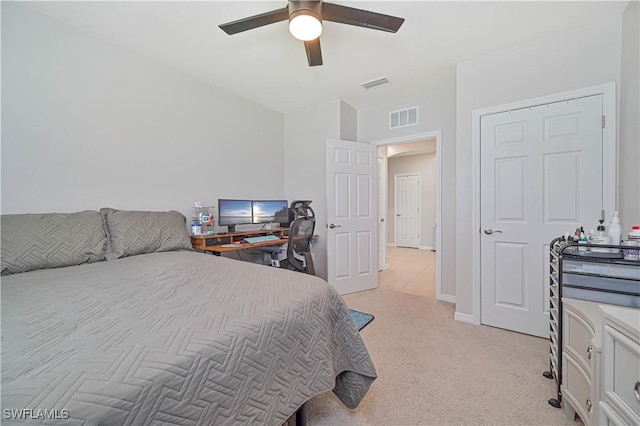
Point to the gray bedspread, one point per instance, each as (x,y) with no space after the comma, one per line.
(175,338)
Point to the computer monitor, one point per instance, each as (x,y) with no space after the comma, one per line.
(234,212)
(270,211)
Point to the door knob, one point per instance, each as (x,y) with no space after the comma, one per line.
(331,226)
(490,231)
(381,219)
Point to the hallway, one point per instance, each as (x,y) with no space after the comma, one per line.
(410,271)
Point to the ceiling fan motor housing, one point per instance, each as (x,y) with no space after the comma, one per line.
(307,7)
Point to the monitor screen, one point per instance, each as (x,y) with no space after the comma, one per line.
(269,211)
(234,212)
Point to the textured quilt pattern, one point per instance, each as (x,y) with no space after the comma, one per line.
(175,338)
(51,240)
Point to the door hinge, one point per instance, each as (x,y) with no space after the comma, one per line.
(603,121)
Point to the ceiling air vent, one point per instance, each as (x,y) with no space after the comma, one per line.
(376,83)
(403,117)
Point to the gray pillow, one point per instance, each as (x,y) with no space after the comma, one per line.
(51,240)
(140,232)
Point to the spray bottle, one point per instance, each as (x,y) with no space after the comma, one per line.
(600,237)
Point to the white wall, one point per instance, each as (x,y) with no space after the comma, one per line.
(437,108)
(305,135)
(629,156)
(348,122)
(86,124)
(578,58)
(426,166)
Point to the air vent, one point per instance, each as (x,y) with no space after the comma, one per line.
(403,117)
(376,83)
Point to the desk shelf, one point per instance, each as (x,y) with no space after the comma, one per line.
(212,243)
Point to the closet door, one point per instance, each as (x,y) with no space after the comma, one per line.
(541,176)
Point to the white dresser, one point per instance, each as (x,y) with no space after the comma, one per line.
(620,388)
(601,363)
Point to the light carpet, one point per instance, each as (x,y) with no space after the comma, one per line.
(433,370)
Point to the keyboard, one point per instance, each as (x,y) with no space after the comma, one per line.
(261,239)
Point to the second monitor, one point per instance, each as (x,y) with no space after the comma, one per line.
(270,211)
(241,212)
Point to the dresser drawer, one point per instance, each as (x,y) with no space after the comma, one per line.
(576,387)
(577,336)
(622,373)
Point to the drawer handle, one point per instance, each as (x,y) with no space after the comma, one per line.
(589,351)
(589,405)
(636,391)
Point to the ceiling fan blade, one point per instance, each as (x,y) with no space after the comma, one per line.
(314,53)
(255,21)
(360,18)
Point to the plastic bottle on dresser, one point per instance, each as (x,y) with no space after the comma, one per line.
(615,232)
(633,239)
(583,240)
(600,237)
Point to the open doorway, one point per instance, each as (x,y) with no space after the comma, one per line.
(409,213)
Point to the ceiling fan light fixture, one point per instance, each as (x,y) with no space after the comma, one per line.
(305,25)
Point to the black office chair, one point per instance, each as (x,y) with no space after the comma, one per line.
(299,242)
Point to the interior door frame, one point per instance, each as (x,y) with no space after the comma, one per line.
(382,239)
(382,213)
(395,206)
(609,168)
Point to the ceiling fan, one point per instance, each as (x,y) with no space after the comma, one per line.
(305,22)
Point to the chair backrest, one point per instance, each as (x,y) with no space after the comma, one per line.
(300,236)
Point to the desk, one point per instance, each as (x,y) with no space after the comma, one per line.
(213,243)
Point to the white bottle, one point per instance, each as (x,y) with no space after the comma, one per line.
(615,232)
(601,238)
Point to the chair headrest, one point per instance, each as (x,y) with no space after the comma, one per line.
(302,208)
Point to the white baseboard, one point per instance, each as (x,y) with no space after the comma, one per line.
(463,317)
(425,248)
(449,298)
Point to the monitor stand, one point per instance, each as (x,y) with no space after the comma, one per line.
(231,229)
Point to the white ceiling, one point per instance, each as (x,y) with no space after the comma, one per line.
(269,66)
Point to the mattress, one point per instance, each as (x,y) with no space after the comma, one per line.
(175,338)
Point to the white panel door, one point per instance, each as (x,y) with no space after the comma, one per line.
(541,176)
(352,240)
(407,210)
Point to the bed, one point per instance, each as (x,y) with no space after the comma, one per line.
(167,336)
